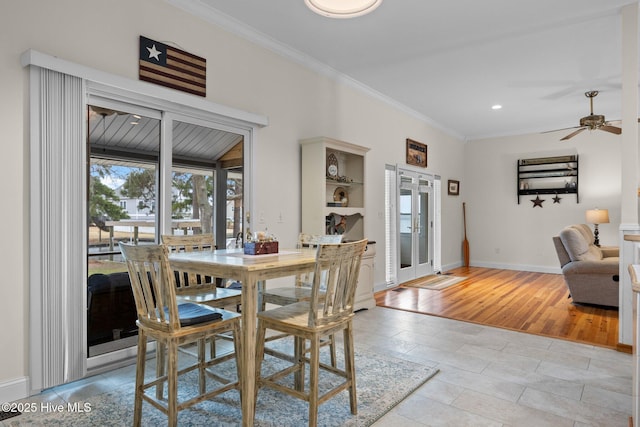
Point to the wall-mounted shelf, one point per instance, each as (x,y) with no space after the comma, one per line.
(548,175)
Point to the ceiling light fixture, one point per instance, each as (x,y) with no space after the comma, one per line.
(496,107)
(342,8)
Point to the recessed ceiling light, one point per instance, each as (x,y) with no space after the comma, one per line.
(342,8)
(496,107)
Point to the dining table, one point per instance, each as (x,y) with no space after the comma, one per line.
(252,271)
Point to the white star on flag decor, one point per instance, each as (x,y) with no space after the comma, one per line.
(154,53)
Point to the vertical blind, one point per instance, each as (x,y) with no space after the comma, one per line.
(437,221)
(390,225)
(57,269)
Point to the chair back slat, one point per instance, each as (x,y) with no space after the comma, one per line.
(313,241)
(334,281)
(153,285)
(189,281)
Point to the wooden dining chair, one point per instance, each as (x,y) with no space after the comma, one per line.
(171,324)
(192,287)
(329,311)
(301,291)
(195,287)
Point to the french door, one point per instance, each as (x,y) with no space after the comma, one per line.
(415,224)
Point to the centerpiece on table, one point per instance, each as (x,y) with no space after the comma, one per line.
(262,243)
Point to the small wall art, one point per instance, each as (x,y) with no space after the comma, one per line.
(416,153)
(453,187)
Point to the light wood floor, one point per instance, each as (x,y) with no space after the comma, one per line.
(536,303)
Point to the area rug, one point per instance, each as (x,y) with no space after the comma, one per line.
(435,282)
(382,382)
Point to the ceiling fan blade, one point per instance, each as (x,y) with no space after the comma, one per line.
(618,121)
(558,130)
(561,93)
(572,134)
(612,129)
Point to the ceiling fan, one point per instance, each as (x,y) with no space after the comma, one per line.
(593,121)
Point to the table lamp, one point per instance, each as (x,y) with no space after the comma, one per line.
(597,216)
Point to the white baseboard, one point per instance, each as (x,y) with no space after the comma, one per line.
(448,267)
(532,268)
(14,389)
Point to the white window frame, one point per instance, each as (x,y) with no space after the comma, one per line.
(67,363)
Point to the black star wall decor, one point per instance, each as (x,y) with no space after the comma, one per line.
(537,201)
(557,199)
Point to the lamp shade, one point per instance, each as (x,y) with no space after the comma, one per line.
(342,8)
(597,216)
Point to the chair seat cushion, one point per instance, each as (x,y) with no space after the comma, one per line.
(193,314)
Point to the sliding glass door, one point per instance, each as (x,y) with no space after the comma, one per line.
(102,152)
(124,148)
(130,157)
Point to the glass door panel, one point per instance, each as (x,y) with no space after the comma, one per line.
(423,222)
(206,181)
(405,215)
(234,207)
(192,200)
(122,200)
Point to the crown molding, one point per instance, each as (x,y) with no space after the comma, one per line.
(213,16)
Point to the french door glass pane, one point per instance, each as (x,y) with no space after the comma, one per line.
(423,221)
(406,222)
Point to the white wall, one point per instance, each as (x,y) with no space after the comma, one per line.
(505,234)
(299,104)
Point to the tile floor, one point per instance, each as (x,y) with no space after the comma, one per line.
(488,376)
(495,377)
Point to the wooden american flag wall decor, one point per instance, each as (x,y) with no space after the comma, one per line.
(167,66)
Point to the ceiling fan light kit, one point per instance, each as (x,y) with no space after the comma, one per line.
(593,121)
(342,8)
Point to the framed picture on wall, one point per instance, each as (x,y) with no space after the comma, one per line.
(454,188)
(416,153)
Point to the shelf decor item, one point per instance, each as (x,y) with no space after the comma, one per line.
(341,197)
(332,166)
(416,153)
(537,201)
